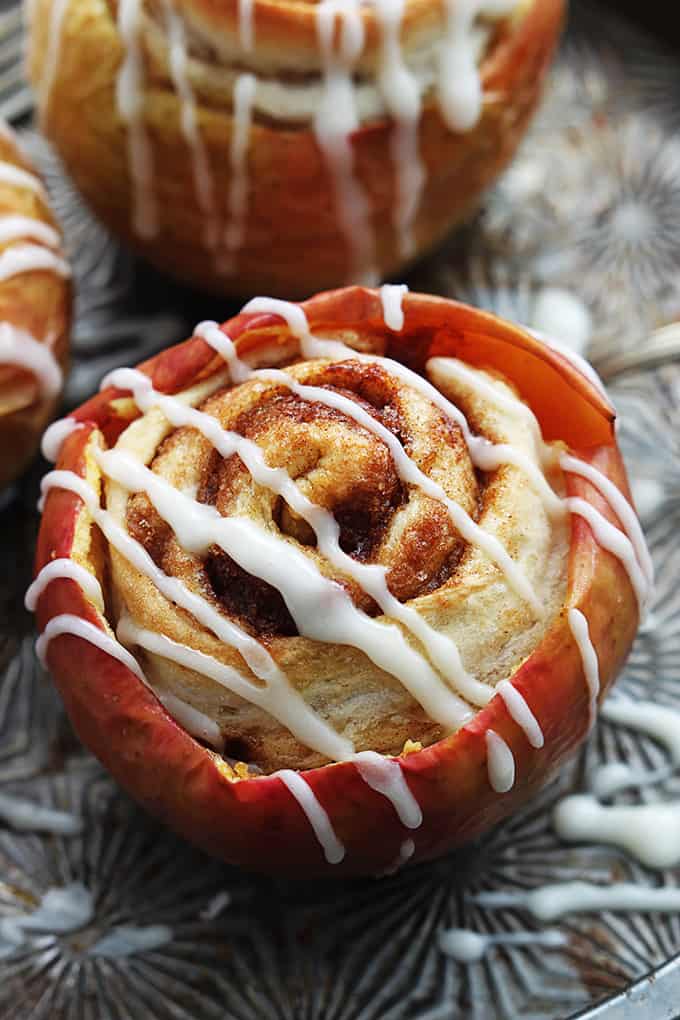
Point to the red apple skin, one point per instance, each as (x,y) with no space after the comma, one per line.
(244,821)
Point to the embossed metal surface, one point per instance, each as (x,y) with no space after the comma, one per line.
(591,206)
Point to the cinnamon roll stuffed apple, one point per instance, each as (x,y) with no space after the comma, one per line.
(35,303)
(286,146)
(341,583)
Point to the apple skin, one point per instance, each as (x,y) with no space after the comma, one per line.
(256,823)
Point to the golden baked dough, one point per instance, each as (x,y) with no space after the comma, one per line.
(35,305)
(348,556)
(260,147)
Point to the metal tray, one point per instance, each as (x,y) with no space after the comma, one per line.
(590,206)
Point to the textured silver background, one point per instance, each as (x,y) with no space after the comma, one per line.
(592,204)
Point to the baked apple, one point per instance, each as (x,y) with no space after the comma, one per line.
(339,584)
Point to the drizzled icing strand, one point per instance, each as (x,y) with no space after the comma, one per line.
(648,831)
(500,763)
(12,228)
(18,178)
(244,94)
(19,348)
(246,25)
(334,851)
(401,94)
(67,623)
(386,777)
(190,719)
(467,946)
(203,180)
(130,102)
(551,902)
(335,120)
(521,713)
(615,542)
(31,258)
(620,506)
(391,297)
(459,85)
(658,721)
(55,436)
(27,816)
(578,624)
(66,568)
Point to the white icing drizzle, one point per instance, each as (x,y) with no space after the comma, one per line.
(127,939)
(521,713)
(333,849)
(391,296)
(467,946)
(277,698)
(55,436)
(130,103)
(246,25)
(615,542)
(406,852)
(17,347)
(244,94)
(50,63)
(18,178)
(372,577)
(578,625)
(61,910)
(658,721)
(611,779)
(385,775)
(619,504)
(67,623)
(335,120)
(215,905)
(500,763)
(190,719)
(459,85)
(27,816)
(551,902)
(13,228)
(401,93)
(203,180)
(64,567)
(650,832)
(31,258)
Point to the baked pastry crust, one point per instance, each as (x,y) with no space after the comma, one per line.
(35,309)
(242,169)
(121,444)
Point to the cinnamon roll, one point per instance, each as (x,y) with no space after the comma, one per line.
(34,309)
(285,146)
(364,564)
